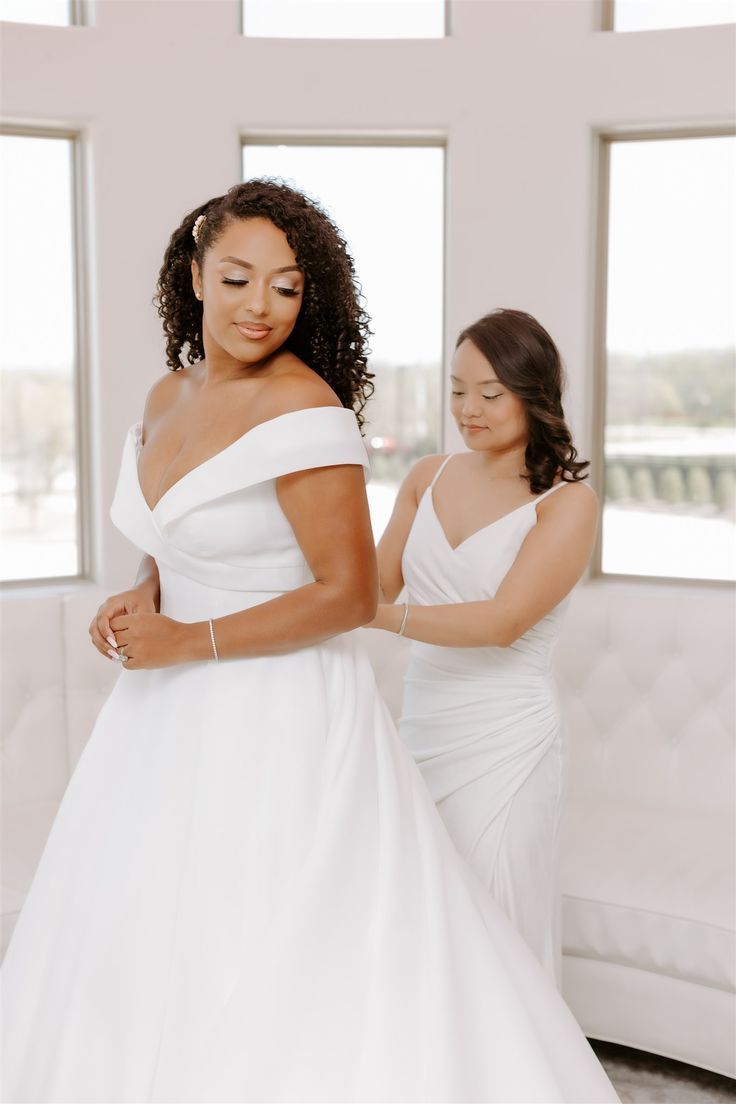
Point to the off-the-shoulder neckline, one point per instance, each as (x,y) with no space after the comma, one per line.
(137,430)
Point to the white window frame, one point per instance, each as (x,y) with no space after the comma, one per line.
(608,23)
(433,139)
(79,16)
(446,34)
(605,139)
(80,364)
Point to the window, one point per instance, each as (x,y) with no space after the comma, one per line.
(344,18)
(59,13)
(39,499)
(388,200)
(652,15)
(670,442)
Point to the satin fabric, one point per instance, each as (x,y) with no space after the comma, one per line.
(483,724)
(247,894)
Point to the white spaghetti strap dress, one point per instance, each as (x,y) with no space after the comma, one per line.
(483,724)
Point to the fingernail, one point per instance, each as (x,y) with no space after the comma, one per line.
(111,641)
(112,654)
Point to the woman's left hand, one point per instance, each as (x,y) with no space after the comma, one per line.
(147,640)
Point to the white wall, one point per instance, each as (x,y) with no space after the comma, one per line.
(163,89)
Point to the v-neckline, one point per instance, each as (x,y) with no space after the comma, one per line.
(210,459)
(483,528)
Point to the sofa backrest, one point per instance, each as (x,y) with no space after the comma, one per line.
(646,680)
(646,677)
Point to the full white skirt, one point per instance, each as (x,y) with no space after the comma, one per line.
(248,896)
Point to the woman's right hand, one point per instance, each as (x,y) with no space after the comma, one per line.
(139,599)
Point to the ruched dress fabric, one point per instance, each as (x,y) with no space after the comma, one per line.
(247,894)
(483,724)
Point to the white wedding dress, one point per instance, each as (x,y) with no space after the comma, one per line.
(248,894)
(483,724)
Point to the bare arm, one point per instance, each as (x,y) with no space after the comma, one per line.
(328,511)
(551,561)
(391,545)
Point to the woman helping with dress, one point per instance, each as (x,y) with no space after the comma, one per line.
(247,894)
(488,544)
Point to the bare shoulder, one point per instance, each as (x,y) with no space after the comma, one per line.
(293,386)
(575,502)
(423,472)
(166,390)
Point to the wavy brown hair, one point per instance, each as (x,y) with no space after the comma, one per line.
(332,330)
(527,362)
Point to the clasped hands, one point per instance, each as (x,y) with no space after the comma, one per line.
(127,627)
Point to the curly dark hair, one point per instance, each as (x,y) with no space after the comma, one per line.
(527,361)
(332,331)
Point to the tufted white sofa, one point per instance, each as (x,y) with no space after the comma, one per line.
(647,684)
(53,685)
(649,828)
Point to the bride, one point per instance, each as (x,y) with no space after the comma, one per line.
(248,894)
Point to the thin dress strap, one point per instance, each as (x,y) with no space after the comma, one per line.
(555,487)
(440,469)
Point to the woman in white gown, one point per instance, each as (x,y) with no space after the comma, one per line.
(247,894)
(488,544)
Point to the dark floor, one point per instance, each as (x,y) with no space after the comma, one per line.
(641,1078)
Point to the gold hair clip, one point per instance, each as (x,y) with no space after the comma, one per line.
(197,227)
